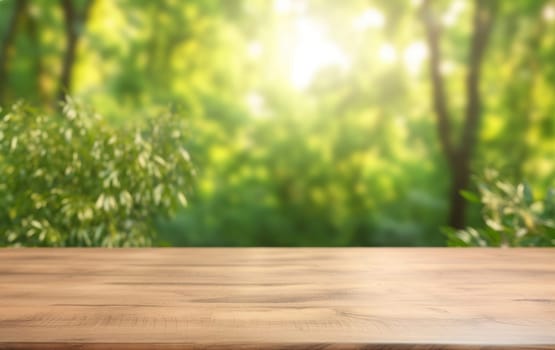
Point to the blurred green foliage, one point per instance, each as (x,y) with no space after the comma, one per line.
(72,180)
(310,122)
(512,216)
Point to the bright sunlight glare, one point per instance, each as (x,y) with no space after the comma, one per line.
(450,17)
(446,67)
(548,13)
(312,52)
(256,104)
(289,6)
(371,18)
(416,3)
(254,50)
(387,53)
(414,55)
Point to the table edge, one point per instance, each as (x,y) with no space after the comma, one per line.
(265,346)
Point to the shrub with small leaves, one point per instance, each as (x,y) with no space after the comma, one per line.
(73,180)
(512,216)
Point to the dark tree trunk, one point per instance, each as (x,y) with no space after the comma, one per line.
(460,175)
(7,43)
(74,21)
(33,32)
(458,155)
(71,45)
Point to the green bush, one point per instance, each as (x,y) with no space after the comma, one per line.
(512,216)
(73,180)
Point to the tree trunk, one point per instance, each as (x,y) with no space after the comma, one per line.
(73,23)
(71,45)
(33,33)
(7,43)
(458,156)
(460,175)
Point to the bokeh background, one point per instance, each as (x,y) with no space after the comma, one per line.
(308,123)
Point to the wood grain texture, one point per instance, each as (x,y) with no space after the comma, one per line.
(281,298)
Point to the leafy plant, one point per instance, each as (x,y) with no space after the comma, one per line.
(72,180)
(511,214)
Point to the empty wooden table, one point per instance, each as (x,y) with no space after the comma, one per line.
(263,298)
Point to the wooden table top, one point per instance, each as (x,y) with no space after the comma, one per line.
(264,298)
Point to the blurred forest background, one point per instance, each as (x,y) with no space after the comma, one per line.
(327,123)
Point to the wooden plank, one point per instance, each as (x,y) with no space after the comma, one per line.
(264,298)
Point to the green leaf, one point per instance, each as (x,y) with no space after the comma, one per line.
(470,196)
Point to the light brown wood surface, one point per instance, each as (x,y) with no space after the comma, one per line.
(262,298)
